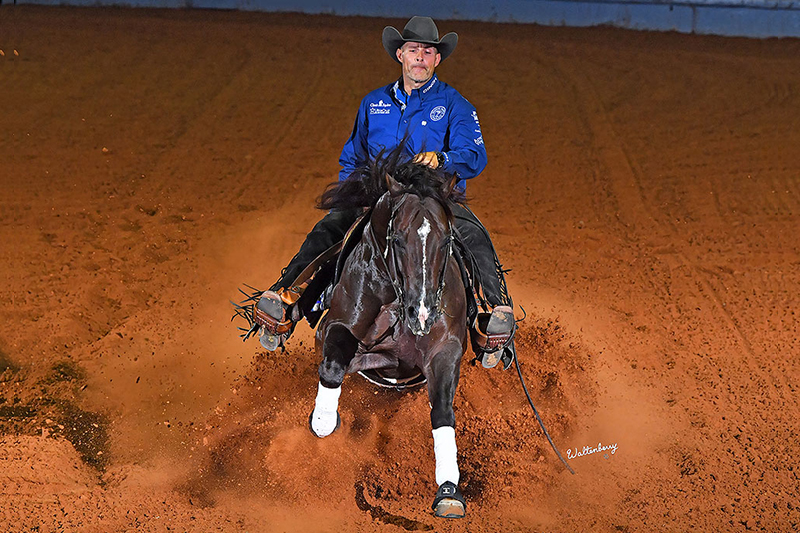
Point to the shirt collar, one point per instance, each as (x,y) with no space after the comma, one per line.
(400,94)
(425,89)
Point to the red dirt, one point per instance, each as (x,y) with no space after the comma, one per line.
(642,187)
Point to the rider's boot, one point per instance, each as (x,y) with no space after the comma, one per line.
(492,335)
(277,315)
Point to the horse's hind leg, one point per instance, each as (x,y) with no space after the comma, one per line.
(337,352)
(442,382)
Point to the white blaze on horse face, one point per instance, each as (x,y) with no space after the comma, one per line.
(423,233)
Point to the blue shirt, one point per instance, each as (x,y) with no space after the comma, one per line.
(435,117)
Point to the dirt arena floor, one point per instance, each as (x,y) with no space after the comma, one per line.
(642,187)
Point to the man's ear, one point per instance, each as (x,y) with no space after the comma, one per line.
(399,53)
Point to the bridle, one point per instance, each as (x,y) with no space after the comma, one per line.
(388,257)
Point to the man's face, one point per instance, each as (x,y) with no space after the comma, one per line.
(419,61)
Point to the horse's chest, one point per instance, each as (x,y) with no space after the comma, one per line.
(403,346)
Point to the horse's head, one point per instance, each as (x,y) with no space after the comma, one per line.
(418,249)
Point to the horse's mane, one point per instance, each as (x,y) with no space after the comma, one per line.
(365,186)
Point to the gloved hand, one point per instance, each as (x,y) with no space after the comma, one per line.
(427,158)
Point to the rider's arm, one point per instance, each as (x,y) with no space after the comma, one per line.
(465,153)
(355,153)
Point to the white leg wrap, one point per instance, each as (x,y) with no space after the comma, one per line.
(323,420)
(444,448)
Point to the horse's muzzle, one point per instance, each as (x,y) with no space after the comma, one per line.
(420,319)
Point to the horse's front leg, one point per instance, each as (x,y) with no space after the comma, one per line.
(442,382)
(338,350)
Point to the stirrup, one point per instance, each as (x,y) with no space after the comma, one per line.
(271,314)
(491,333)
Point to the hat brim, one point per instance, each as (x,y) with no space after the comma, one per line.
(392,40)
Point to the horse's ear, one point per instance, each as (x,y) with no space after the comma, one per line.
(393,186)
(449,185)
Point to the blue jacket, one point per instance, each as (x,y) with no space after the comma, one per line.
(436,117)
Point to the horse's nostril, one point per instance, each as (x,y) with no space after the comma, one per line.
(410,310)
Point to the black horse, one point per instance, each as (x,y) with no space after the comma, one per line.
(400,302)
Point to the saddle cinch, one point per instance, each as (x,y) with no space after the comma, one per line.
(311,290)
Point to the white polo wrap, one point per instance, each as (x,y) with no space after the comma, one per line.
(323,420)
(444,448)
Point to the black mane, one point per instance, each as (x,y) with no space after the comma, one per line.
(367,184)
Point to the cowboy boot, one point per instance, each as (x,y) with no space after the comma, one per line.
(492,333)
(277,316)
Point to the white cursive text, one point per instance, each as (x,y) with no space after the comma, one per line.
(588,450)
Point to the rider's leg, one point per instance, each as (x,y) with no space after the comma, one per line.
(493,328)
(274,309)
(327,232)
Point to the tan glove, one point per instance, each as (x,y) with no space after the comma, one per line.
(427,158)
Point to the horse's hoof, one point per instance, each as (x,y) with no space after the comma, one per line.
(311,425)
(450,509)
(449,502)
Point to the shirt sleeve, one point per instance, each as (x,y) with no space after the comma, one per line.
(465,152)
(355,152)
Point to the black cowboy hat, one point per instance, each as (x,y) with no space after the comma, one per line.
(419,30)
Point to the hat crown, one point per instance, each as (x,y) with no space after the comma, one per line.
(421,29)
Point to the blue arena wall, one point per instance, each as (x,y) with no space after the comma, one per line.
(746,18)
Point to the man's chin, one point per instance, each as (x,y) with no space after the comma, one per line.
(420,79)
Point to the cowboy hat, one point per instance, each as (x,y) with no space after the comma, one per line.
(419,30)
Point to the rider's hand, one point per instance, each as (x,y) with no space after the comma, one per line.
(427,158)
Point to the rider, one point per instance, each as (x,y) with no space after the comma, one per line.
(441,129)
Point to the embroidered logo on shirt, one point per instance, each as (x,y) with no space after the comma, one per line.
(381,108)
(429,87)
(437,113)
(475,118)
(479,139)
